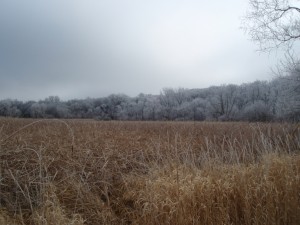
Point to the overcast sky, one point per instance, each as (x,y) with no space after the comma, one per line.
(93,48)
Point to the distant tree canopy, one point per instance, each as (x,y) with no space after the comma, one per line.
(257,101)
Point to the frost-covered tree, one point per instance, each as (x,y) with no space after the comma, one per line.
(113,105)
(10,108)
(288,103)
(168,103)
(273,23)
(141,101)
(198,109)
(55,108)
(223,102)
(258,111)
(38,110)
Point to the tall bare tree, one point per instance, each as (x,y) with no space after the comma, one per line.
(273,23)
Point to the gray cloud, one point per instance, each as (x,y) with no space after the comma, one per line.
(77,49)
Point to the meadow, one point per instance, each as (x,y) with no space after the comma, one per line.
(113,172)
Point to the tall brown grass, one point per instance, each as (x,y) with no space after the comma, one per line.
(92,172)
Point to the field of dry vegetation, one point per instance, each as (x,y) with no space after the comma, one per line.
(93,172)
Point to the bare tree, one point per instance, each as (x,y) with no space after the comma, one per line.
(289,68)
(273,23)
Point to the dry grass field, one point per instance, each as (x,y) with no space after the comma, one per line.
(92,172)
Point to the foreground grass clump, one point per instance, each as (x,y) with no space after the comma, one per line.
(91,172)
(266,193)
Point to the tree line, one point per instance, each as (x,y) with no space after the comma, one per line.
(276,100)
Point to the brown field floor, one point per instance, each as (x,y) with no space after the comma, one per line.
(115,172)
